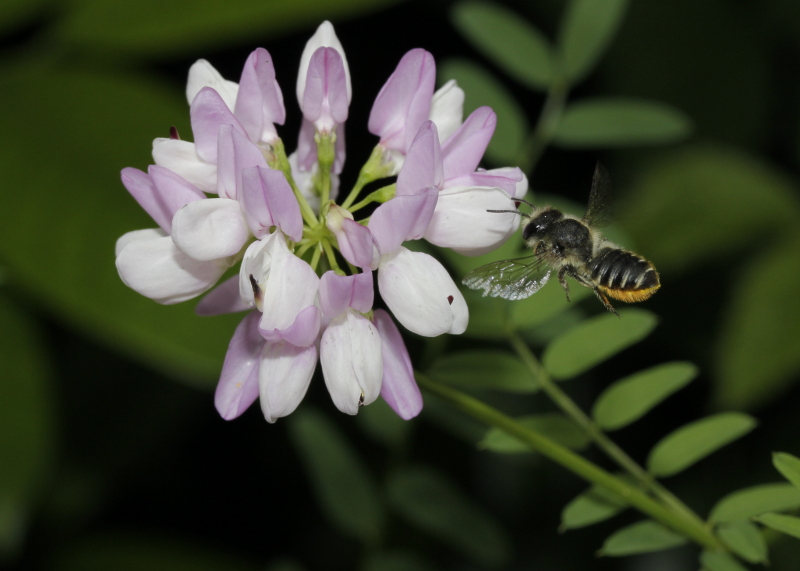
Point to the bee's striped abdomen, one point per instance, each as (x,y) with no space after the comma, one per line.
(623,275)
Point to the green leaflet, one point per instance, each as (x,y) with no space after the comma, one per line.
(631,398)
(586,30)
(744,539)
(595,340)
(618,122)
(483,369)
(756,500)
(788,524)
(482,88)
(27,428)
(641,537)
(592,506)
(345,488)
(554,425)
(757,355)
(694,441)
(787,465)
(426,499)
(510,42)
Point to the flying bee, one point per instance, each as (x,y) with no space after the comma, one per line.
(574,248)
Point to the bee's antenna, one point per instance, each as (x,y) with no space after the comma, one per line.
(510,211)
(519,200)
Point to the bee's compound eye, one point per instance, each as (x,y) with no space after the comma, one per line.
(530,229)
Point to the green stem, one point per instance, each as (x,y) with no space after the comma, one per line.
(331,257)
(326,154)
(316,256)
(568,406)
(546,127)
(573,462)
(381,195)
(373,169)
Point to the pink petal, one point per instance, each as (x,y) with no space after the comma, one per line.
(303,332)
(358,245)
(484,179)
(245,155)
(284,375)
(208,112)
(325,36)
(402,218)
(515,174)
(259,103)
(306,147)
(222,299)
(423,165)
(337,293)
(398,388)
(325,101)
(268,201)
(404,101)
(238,383)
(226,166)
(462,152)
(149,197)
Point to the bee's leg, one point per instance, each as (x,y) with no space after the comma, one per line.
(565,271)
(605,301)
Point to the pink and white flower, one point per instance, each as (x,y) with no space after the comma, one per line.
(276,214)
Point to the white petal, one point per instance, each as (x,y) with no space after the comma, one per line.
(325,36)
(148,233)
(181,158)
(203,74)
(461,220)
(447,109)
(210,229)
(284,375)
(156,268)
(350,354)
(421,294)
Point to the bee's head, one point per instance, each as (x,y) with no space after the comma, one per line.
(540,222)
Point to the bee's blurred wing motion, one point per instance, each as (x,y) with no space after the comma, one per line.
(598,212)
(510,279)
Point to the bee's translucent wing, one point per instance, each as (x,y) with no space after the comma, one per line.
(510,279)
(598,212)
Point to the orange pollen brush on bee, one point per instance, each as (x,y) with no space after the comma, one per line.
(574,248)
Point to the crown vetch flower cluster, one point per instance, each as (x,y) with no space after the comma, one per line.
(276,215)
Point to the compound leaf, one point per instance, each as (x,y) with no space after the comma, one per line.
(553,425)
(788,524)
(788,465)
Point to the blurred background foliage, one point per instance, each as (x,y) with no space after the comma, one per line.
(111,453)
